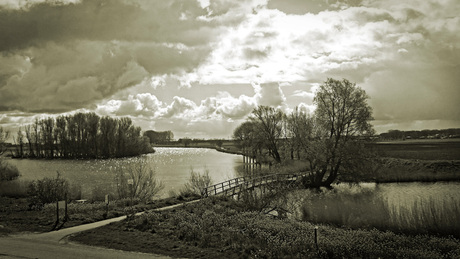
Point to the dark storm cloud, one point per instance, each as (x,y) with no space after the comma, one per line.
(100,20)
(58,58)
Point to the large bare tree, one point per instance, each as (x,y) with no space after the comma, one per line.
(343,116)
(268,122)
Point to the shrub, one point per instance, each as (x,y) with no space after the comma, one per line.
(196,183)
(137,180)
(7,172)
(47,190)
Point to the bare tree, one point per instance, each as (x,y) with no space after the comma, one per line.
(28,130)
(19,141)
(4,134)
(7,171)
(342,115)
(268,122)
(137,180)
(196,183)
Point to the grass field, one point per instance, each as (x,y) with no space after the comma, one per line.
(16,215)
(437,149)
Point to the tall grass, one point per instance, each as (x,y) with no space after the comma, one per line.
(432,216)
(358,207)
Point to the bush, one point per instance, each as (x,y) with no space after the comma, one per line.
(8,172)
(196,183)
(47,190)
(137,180)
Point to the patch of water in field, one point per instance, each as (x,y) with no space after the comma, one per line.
(171,165)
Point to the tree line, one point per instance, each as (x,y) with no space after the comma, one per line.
(421,134)
(82,135)
(329,140)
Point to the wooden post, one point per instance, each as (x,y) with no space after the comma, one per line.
(57,214)
(66,217)
(316,238)
(107,205)
(57,211)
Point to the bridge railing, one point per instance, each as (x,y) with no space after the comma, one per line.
(221,187)
(233,186)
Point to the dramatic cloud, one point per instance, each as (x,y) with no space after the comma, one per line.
(74,54)
(200,67)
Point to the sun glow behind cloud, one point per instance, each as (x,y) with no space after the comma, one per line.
(199,67)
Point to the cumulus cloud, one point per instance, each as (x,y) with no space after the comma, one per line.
(179,106)
(303,94)
(235,108)
(144,104)
(151,60)
(269,94)
(73,54)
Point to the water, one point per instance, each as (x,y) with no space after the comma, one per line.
(171,165)
(423,207)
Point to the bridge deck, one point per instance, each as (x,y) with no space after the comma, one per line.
(236,185)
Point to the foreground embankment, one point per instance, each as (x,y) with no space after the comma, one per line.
(219,227)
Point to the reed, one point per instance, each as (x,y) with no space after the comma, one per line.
(432,216)
(365,209)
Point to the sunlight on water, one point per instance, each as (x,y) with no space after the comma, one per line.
(172,166)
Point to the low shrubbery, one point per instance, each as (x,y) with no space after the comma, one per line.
(16,214)
(226,225)
(196,183)
(7,172)
(47,190)
(137,180)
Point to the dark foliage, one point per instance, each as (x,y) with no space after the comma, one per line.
(83,135)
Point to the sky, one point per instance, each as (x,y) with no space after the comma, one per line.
(199,67)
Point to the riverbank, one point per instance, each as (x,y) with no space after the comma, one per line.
(220,227)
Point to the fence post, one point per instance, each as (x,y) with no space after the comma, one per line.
(316,238)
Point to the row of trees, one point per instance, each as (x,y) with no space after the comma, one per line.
(159,137)
(82,135)
(329,140)
(7,171)
(421,134)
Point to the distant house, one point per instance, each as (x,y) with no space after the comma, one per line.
(159,137)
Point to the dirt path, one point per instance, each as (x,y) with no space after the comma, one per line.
(55,244)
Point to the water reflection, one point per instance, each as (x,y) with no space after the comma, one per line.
(172,166)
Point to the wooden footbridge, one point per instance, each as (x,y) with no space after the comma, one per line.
(237,185)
